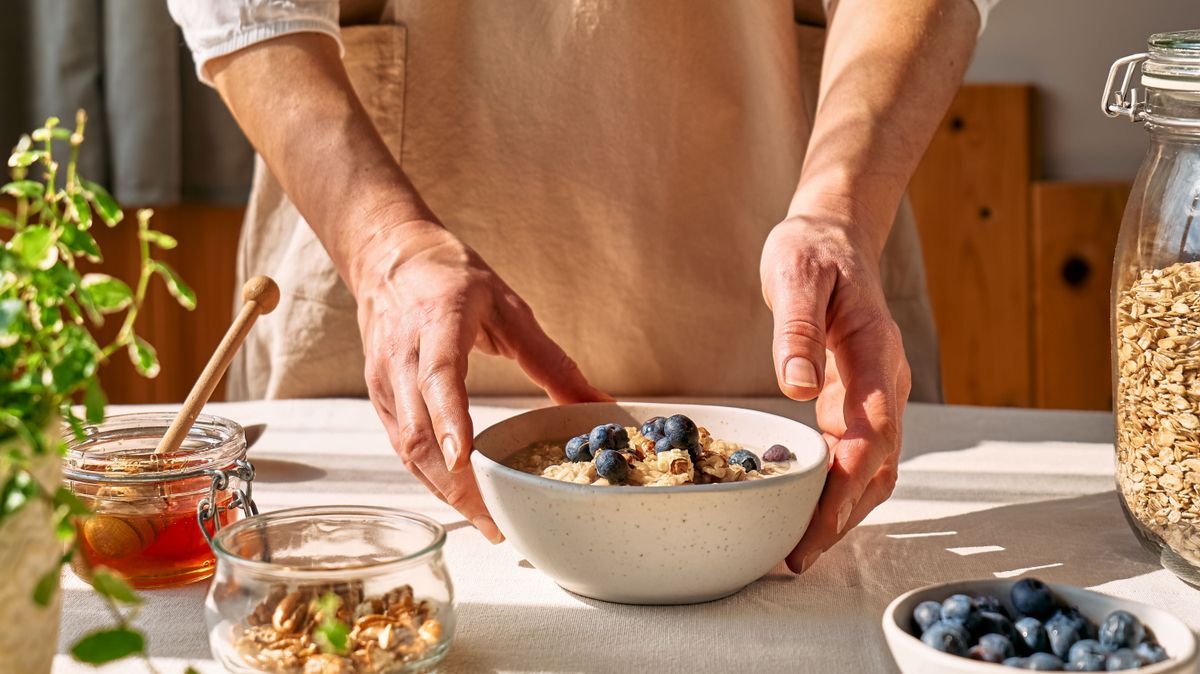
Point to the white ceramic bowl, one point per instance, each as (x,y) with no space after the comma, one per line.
(914,657)
(651,545)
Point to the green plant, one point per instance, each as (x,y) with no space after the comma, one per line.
(49,355)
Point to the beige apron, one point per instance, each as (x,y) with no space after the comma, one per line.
(619,164)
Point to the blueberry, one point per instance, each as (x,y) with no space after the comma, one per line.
(746,459)
(989,603)
(578,449)
(663,445)
(957,608)
(978,652)
(987,622)
(653,437)
(1090,662)
(1044,662)
(1085,647)
(946,637)
(1121,629)
(682,432)
(1062,635)
(1031,597)
(777,454)
(1071,615)
(612,466)
(1124,658)
(927,613)
(1019,663)
(653,425)
(608,436)
(999,645)
(1150,652)
(1032,636)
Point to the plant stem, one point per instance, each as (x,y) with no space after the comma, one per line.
(125,334)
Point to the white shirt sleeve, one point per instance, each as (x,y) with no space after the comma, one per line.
(214,28)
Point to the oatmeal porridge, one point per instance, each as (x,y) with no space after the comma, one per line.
(663,452)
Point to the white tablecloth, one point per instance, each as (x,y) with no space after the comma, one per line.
(982,493)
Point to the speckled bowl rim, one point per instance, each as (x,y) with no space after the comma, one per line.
(795,472)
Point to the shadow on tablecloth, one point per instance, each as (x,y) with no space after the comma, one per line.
(828,619)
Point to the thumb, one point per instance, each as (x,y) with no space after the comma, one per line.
(799,307)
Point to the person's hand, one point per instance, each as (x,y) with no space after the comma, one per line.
(835,340)
(425,300)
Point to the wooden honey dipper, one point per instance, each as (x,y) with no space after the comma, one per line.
(119,535)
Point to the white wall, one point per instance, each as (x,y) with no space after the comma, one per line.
(1065,48)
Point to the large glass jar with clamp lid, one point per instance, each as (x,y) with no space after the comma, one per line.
(1156,303)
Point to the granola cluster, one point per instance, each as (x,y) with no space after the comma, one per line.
(385,632)
(1158,394)
(646,467)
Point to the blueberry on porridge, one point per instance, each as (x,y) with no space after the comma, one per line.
(662,452)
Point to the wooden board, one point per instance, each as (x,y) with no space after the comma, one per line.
(1074,232)
(971,196)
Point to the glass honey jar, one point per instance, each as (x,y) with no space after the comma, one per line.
(153,513)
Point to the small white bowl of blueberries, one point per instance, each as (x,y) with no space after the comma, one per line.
(997,625)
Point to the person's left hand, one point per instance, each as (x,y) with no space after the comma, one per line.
(835,340)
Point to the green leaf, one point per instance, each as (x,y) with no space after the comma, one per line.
(81,210)
(94,401)
(65,498)
(114,587)
(46,586)
(11,311)
(80,241)
(24,189)
(74,423)
(17,491)
(25,158)
(175,285)
(35,247)
(107,294)
(160,239)
(191,670)
(104,646)
(332,636)
(143,357)
(7,219)
(105,205)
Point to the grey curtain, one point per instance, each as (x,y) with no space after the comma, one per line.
(155,134)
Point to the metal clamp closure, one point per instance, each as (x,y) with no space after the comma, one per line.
(207,509)
(1125,100)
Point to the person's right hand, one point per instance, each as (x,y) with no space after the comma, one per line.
(425,299)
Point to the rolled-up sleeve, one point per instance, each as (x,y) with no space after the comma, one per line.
(214,28)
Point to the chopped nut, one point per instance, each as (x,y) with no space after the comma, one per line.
(386,631)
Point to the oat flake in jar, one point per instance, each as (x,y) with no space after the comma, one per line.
(1156,303)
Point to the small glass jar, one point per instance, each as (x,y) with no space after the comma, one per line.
(289,582)
(1156,304)
(145,506)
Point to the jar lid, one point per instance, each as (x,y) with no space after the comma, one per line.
(121,449)
(1173,61)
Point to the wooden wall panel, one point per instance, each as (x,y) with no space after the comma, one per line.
(205,258)
(971,199)
(1074,232)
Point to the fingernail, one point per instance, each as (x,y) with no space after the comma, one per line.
(450,451)
(844,515)
(487,527)
(809,560)
(800,372)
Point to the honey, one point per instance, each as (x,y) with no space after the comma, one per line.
(144,523)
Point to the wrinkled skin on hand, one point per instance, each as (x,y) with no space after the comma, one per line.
(425,300)
(835,340)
